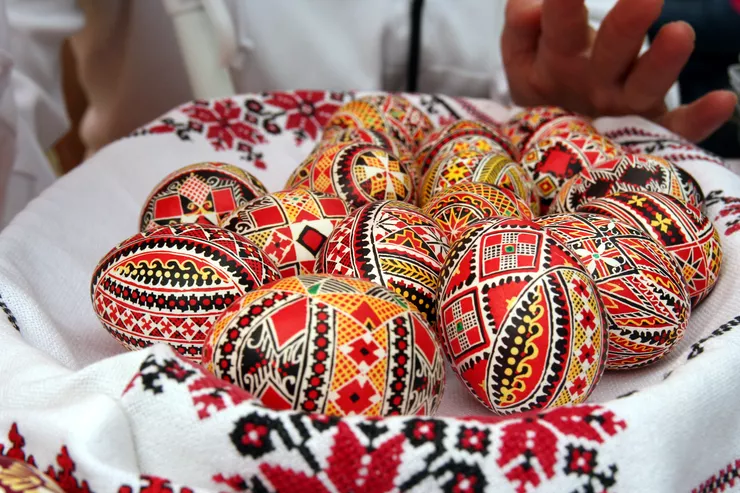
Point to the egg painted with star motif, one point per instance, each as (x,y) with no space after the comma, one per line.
(289,226)
(500,170)
(170,283)
(628,173)
(532,124)
(358,173)
(681,228)
(393,244)
(647,304)
(200,193)
(522,322)
(329,345)
(448,171)
(459,206)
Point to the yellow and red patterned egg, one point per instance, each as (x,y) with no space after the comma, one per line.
(681,228)
(522,323)
(553,160)
(520,127)
(459,206)
(646,301)
(170,284)
(358,173)
(392,244)
(389,113)
(330,345)
(17,476)
(289,226)
(500,170)
(200,193)
(628,173)
(460,136)
(448,171)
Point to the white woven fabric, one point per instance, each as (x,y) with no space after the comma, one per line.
(96,417)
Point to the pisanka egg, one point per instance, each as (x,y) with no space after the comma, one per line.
(460,136)
(330,345)
(500,170)
(520,127)
(447,171)
(170,283)
(389,113)
(393,244)
(553,160)
(19,476)
(358,173)
(200,193)
(522,323)
(459,206)
(289,226)
(681,228)
(646,301)
(628,173)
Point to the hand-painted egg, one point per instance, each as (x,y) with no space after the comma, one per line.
(564,125)
(463,204)
(647,304)
(392,244)
(388,113)
(200,193)
(500,170)
(17,476)
(290,226)
(628,173)
(170,283)
(358,173)
(520,127)
(681,228)
(447,171)
(553,160)
(463,135)
(330,345)
(522,323)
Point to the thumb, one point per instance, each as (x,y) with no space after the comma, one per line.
(700,119)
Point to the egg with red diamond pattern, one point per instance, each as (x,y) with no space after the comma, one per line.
(330,345)
(647,304)
(522,322)
(358,173)
(459,206)
(553,160)
(201,193)
(170,283)
(681,228)
(289,226)
(393,244)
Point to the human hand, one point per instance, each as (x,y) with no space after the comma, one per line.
(553,57)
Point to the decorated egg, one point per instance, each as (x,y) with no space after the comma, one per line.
(447,171)
(559,126)
(522,323)
(500,170)
(388,113)
(357,173)
(553,160)
(520,127)
(681,228)
(460,205)
(392,244)
(647,304)
(628,173)
(200,193)
(18,476)
(330,345)
(290,226)
(460,136)
(170,283)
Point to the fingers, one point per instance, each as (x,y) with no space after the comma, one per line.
(565,29)
(522,27)
(620,38)
(658,68)
(700,119)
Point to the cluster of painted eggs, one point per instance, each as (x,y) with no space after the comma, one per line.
(395,245)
